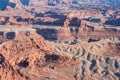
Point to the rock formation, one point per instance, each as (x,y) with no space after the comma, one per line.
(84,14)
(64,35)
(28,57)
(20,3)
(66,23)
(59,40)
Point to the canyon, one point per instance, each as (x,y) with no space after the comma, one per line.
(59,40)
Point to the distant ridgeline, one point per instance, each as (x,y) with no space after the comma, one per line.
(5,3)
(12,3)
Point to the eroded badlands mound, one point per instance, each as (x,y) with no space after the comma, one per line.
(28,56)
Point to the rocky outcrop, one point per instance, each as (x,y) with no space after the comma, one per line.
(66,23)
(28,56)
(65,35)
(84,14)
(59,44)
(99,59)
